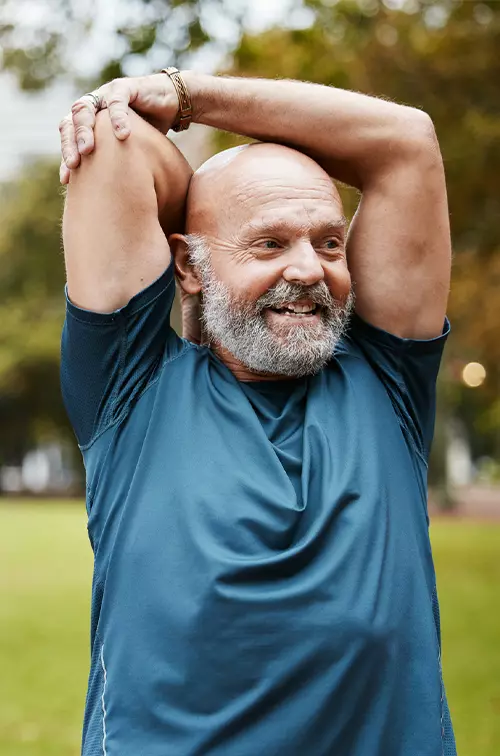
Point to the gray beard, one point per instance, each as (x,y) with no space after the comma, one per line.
(290,349)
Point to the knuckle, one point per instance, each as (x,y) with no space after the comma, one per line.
(81,131)
(116,91)
(64,124)
(111,97)
(79,106)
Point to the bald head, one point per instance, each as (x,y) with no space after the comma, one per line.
(234,180)
(265,228)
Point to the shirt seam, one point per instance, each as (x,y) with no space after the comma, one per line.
(116,316)
(384,339)
(405,429)
(424,347)
(407,434)
(418,448)
(114,393)
(126,410)
(103,702)
(94,487)
(121,323)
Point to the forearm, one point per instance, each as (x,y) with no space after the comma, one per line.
(354,137)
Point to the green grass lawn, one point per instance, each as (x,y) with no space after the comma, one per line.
(45,573)
(467,560)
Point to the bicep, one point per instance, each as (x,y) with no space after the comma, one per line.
(113,239)
(399,248)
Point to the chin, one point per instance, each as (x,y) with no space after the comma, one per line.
(298,333)
(287,363)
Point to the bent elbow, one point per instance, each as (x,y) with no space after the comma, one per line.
(422,135)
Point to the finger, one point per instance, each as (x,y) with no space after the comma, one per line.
(64,173)
(83,113)
(117,100)
(69,149)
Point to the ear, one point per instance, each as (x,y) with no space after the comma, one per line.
(184,271)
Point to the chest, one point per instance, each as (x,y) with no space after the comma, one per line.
(224,470)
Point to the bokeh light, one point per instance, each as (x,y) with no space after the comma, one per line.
(473,374)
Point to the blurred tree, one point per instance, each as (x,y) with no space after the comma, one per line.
(31,312)
(47,44)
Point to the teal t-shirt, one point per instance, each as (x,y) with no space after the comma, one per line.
(263,577)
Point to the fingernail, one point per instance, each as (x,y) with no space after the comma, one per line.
(122,130)
(81,144)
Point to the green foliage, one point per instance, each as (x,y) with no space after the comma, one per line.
(44,621)
(31,311)
(35,66)
(40,51)
(140,39)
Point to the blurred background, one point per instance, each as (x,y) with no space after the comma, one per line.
(439,55)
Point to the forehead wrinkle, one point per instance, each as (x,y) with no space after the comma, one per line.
(267,190)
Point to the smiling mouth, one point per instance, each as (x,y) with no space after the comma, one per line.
(287,313)
(298,311)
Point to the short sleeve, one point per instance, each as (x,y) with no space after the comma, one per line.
(408,368)
(108,359)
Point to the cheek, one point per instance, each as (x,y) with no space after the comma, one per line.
(247,280)
(255,280)
(339,282)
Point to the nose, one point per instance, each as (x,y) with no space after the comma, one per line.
(303,266)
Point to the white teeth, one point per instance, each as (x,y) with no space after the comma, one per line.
(300,308)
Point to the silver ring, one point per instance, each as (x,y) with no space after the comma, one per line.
(95,99)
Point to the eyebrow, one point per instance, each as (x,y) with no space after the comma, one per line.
(279,226)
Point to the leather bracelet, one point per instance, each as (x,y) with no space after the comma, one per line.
(185,113)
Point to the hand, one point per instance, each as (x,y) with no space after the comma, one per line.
(153,97)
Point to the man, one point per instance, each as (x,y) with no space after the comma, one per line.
(257,496)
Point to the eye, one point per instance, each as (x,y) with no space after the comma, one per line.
(271,244)
(331,243)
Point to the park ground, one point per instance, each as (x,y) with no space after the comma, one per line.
(45,575)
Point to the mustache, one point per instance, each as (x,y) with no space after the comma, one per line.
(318,293)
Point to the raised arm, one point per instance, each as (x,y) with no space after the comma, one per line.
(399,242)
(121,205)
(399,247)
